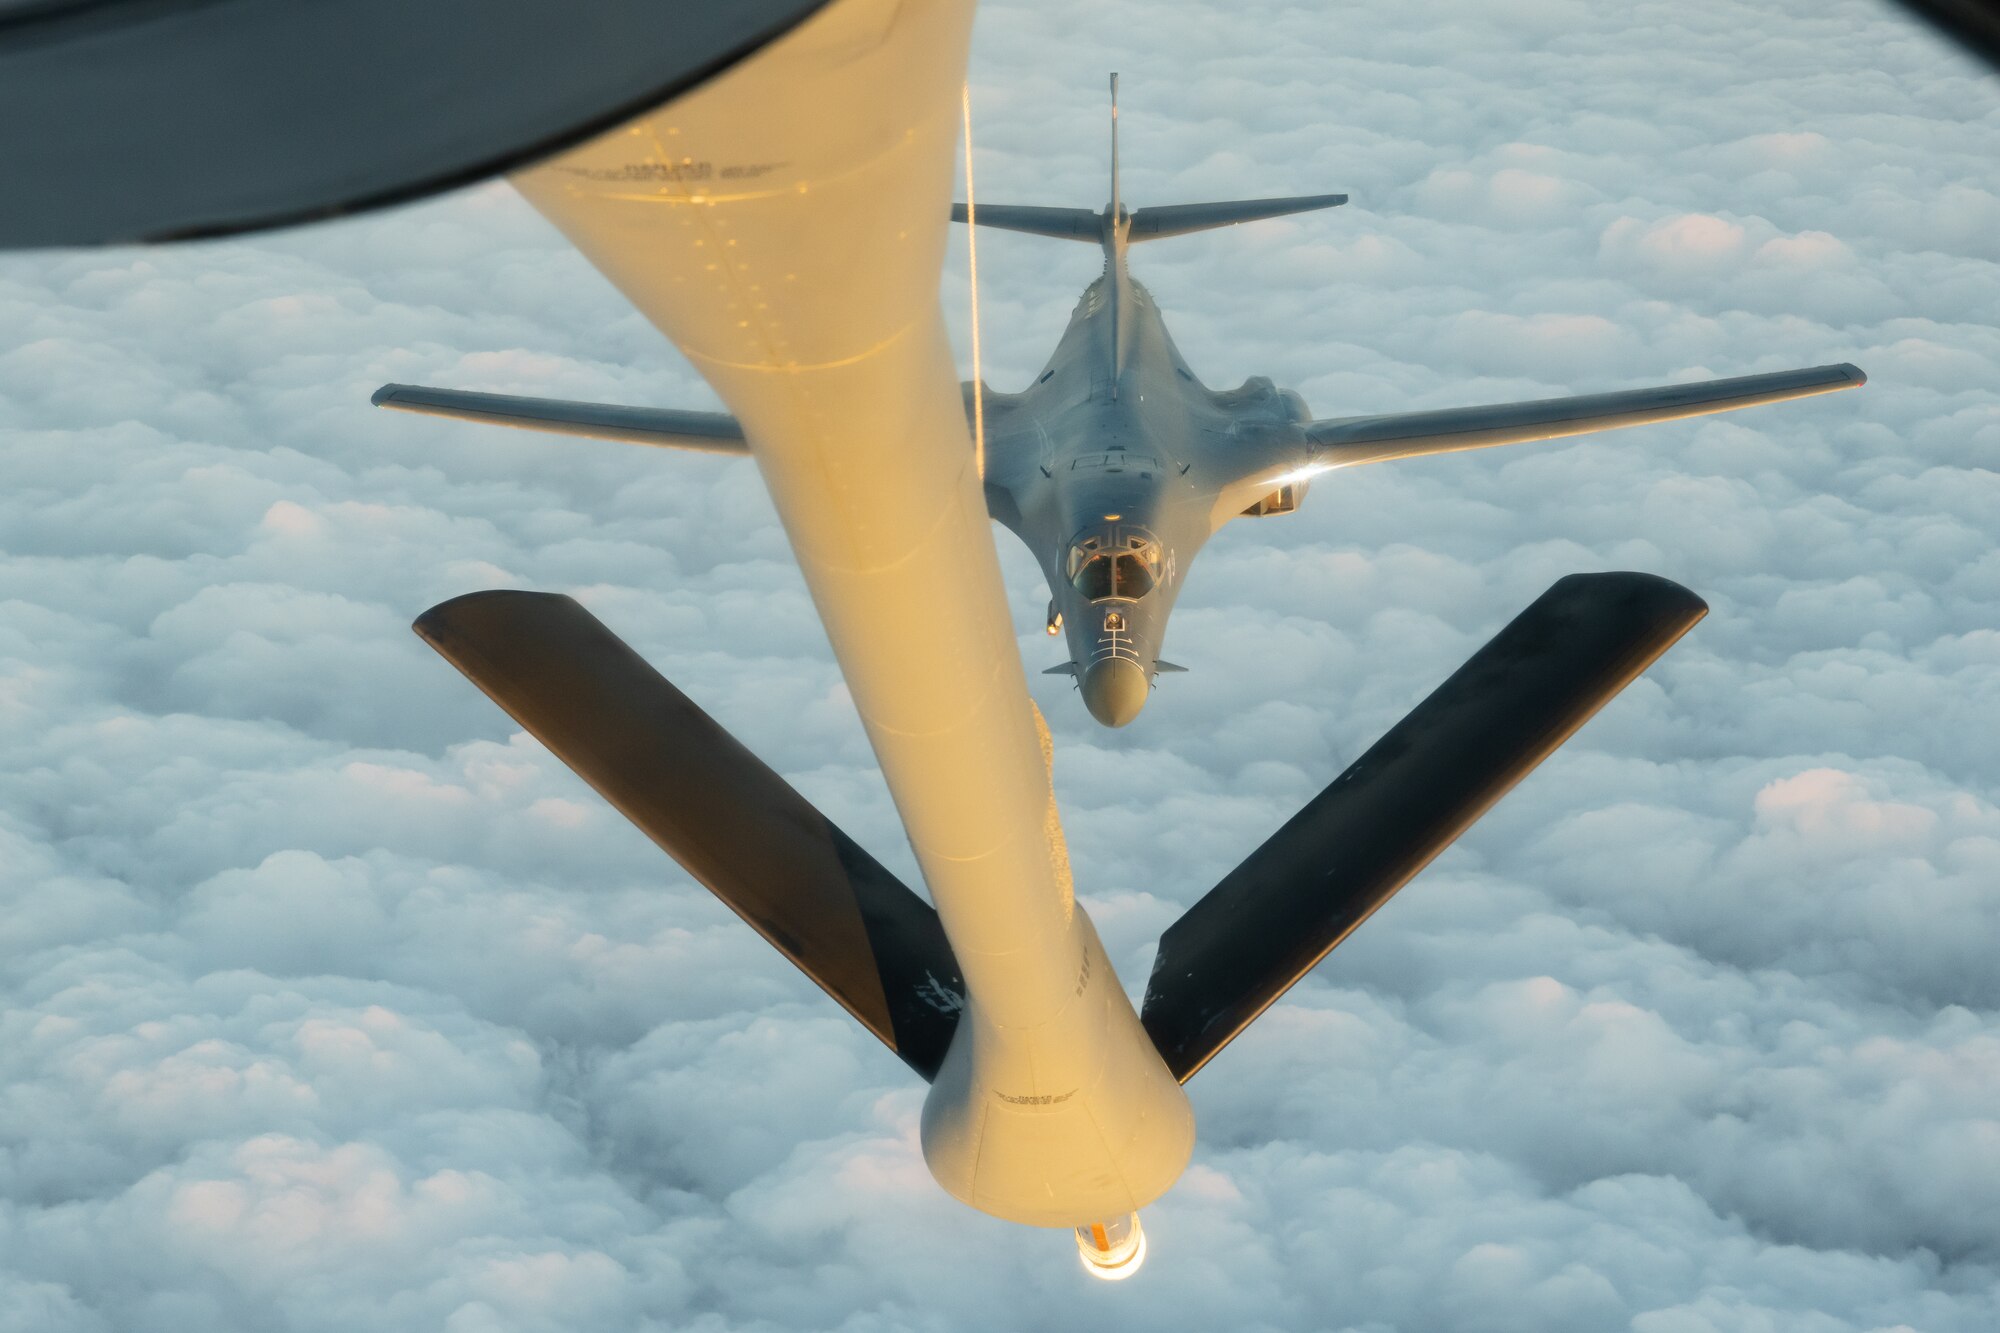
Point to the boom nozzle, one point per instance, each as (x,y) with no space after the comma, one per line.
(1114,1250)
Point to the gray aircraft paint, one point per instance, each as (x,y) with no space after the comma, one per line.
(1132,457)
(1119,443)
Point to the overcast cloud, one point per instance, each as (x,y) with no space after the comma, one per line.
(328,1001)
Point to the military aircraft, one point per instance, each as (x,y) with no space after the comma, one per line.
(1054,1101)
(1117,464)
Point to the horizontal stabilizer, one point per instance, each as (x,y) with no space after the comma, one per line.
(1352,440)
(1152,224)
(1066,224)
(709,432)
(735,825)
(1148,224)
(1276,915)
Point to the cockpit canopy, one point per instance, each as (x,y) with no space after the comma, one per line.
(1111,562)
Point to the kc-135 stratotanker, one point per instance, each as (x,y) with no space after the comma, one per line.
(1118,464)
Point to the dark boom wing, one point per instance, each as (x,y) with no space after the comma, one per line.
(731,822)
(1274,917)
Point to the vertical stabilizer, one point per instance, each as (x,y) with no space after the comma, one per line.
(1116,230)
(1114,252)
(1117,209)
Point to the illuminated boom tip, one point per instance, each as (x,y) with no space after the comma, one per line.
(1112,1251)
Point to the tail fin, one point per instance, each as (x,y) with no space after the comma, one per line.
(1117,207)
(1147,224)
(1274,917)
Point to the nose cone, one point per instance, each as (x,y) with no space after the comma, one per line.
(1114,690)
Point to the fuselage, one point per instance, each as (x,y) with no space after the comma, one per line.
(1116,465)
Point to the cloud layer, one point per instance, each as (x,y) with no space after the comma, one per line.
(327,1001)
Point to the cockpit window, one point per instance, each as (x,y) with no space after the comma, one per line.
(1114,565)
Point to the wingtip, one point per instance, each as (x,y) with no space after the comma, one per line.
(437,622)
(381,397)
(1855,373)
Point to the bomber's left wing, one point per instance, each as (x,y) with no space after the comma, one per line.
(708,432)
(1350,440)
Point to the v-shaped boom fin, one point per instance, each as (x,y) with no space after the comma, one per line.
(1274,917)
(735,825)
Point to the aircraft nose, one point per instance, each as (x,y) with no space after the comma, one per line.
(1115,690)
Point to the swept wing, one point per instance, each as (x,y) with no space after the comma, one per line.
(1346,441)
(709,432)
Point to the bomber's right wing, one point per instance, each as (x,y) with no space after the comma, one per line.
(705,432)
(1351,440)
(708,432)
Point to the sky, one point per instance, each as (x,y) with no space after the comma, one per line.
(330,1001)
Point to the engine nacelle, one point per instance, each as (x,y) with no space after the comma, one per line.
(1281,501)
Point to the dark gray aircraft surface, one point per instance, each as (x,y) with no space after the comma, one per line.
(398,102)
(1117,464)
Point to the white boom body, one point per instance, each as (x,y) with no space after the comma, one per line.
(785,226)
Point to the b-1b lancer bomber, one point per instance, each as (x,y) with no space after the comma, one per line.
(1054,1100)
(1117,464)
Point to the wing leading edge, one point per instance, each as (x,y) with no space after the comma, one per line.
(1347,441)
(707,432)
